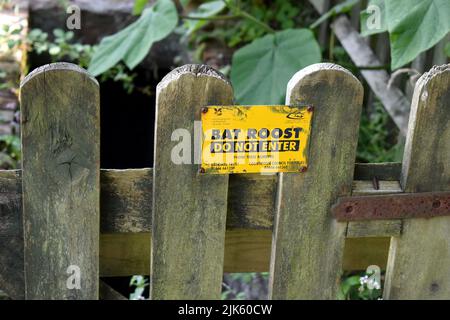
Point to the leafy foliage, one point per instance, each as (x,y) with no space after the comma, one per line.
(245,286)
(133,43)
(248,20)
(356,288)
(424,25)
(447,49)
(261,70)
(140,283)
(139,6)
(414,26)
(373,144)
(205,10)
(10,151)
(366,15)
(278,14)
(61,47)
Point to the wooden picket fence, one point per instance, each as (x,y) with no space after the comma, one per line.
(186,229)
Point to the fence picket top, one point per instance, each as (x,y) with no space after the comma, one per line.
(310,70)
(307,251)
(419,260)
(193,69)
(57,66)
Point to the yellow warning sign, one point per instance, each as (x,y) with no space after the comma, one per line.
(255,139)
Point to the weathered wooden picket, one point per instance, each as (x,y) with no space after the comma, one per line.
(62,212)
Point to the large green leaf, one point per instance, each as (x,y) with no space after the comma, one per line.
(205,10)
(369,18)
(133,43)
(415,26)
(261,70)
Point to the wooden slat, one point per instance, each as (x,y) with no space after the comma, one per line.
(360,253)
(389,171)
(61,181)
(11,240)
(419,263)
(126,254)
(365,188)
(250,200)
(380,228)
(126,202)
(308,245)
(189,209)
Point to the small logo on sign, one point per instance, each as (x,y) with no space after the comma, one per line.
(295,115)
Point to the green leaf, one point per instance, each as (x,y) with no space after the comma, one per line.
(139,6)
(58,33)
(134,42)
(54,50)
(447,49)
(261,70)
(343,7)
(205,10)
(373,19)
(415,26)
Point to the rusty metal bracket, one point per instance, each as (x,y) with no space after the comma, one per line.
(395,206)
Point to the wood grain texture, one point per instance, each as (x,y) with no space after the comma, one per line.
(308,243)
(125,203)
(419,261)
(359,253)
(11,235)
(127,254)
(60,180)
(389,171)
(189,209)
(124,254)
(251,201)
(376,229)
(365,188)
(126,200)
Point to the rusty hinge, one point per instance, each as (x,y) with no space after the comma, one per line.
(396,206)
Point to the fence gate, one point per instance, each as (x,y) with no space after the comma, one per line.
(64,222)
